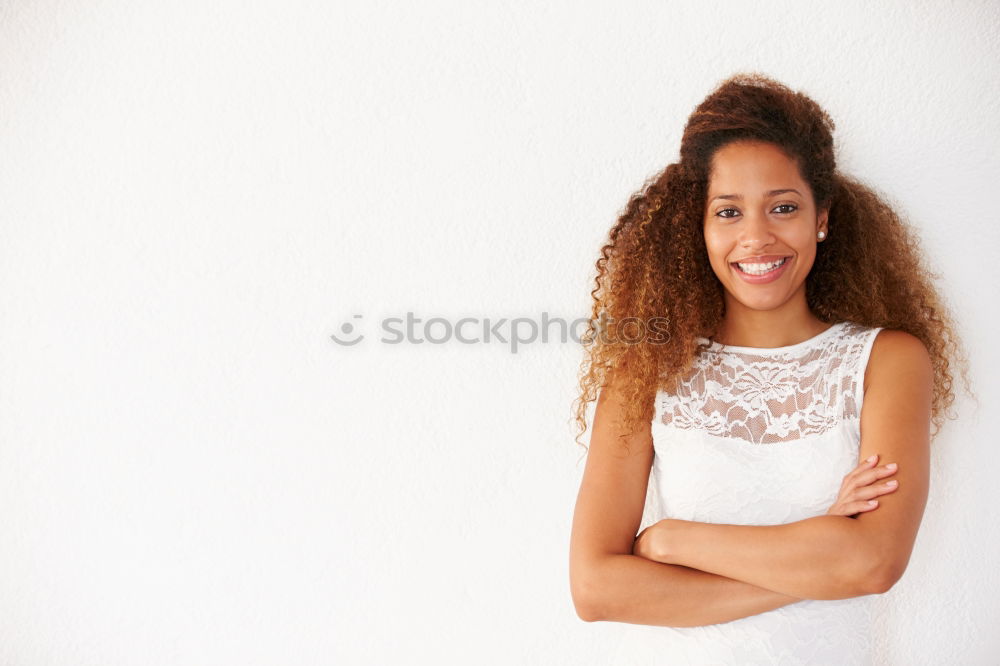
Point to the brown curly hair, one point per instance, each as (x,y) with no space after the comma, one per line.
(655,266)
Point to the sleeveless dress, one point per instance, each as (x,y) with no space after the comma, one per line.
(760,436)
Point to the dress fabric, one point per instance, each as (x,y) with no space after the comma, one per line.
(760,436)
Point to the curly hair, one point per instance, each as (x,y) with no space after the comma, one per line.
(655,266)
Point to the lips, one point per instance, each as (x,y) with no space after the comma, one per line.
(764,278)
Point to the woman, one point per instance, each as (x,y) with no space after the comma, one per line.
(804,358)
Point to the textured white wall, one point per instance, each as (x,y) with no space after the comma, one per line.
(195,196)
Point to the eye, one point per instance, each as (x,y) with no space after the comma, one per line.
(792,208)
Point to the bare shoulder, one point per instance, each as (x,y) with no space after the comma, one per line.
(897,355)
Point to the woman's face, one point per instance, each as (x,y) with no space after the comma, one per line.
(760,210)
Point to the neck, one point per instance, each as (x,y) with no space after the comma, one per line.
(744,327)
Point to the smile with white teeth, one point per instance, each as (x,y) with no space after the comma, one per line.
(760,269)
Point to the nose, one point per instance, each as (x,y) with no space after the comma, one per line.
(755,232)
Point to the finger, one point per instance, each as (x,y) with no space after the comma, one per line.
(867,463)
(870,476)
(862,466)
(852,507)
(872,491)
(862,507)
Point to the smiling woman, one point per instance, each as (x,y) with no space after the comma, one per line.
(808,356)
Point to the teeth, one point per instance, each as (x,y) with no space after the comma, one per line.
(760,269)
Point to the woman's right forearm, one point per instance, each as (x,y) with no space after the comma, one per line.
(632,589)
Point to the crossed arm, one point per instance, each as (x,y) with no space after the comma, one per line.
(835,557)
(715,573)
(823,557)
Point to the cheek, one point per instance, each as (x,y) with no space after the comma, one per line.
(718,249)
(807,246)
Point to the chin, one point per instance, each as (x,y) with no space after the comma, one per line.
(769,302)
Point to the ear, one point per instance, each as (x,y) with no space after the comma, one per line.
(821,220)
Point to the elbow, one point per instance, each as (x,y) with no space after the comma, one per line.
(585,611)
(584,590)
(888,576)
(880,579)
(584,601)
(875,568)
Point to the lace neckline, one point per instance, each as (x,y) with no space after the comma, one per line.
(719,347)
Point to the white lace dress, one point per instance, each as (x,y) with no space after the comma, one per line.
(760,437)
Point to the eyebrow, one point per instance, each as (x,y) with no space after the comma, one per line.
(737,197)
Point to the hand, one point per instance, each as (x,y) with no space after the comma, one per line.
(861,485)
(654,541)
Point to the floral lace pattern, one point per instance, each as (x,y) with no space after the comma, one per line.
(765,396)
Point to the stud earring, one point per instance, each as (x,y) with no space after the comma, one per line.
(821,235)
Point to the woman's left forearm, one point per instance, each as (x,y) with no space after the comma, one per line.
(822,557)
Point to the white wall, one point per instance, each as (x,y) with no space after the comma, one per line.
(195,196)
